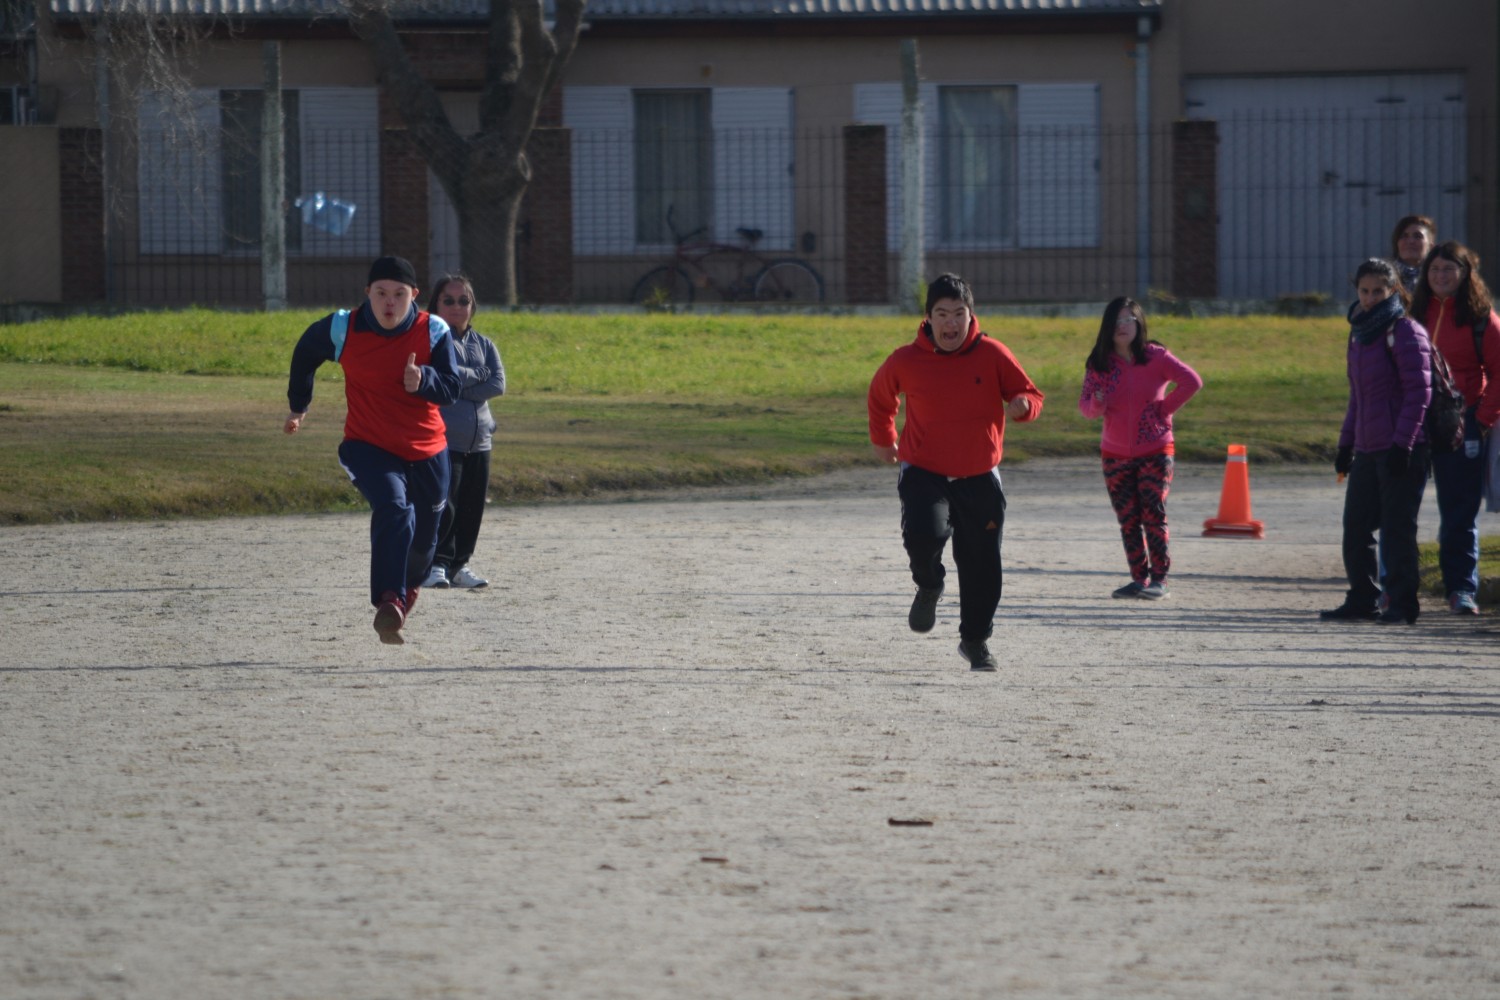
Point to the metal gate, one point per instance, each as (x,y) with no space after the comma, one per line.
(1314,172)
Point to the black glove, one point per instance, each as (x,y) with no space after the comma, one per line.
(1398,460)
(1343,461)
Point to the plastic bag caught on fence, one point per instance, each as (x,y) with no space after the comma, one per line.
(325,213)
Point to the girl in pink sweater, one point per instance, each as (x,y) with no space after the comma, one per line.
(1125,382)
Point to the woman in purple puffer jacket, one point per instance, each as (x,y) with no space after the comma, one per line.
(1382,447)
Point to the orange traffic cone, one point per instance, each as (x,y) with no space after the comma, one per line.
(1234,501)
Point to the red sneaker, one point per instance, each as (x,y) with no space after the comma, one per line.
(390,615)
(411,599)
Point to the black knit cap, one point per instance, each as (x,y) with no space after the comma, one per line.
(393,269)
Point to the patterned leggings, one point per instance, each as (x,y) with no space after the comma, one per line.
(1138,492)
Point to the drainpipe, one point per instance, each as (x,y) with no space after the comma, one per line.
(1142,157)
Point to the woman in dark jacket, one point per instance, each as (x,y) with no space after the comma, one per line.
(1382,446)
(1411,240)
(469,426)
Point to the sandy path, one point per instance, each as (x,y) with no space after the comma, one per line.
(660,757)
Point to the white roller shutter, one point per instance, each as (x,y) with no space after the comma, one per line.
(1314,172)
(340,137)
(603,168)
(1057,169)
(753,164)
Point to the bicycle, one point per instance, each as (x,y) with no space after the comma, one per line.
(734,272)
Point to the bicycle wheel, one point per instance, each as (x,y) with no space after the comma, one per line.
(663,287)
(789,281)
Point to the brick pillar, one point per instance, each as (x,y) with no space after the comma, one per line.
(81,160)
(545,251)
(404,225)
(865,253)
(1195,209)
(550,114)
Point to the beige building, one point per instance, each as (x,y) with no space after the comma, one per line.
(1073,149)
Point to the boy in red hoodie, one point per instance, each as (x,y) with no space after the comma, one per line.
(960,387)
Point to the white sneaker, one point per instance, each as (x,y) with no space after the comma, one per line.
(467,578)
(437,577)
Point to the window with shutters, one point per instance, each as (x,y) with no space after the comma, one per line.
(241,114)
(977,157)
(673,164)
(720,158)
(199,172)
(1005,166)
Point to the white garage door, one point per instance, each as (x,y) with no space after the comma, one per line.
(1315,171)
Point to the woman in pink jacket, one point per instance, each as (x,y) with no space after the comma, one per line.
(1125,382)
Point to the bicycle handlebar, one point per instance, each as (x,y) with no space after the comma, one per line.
(750,236)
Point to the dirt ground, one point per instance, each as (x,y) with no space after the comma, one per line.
(688,748)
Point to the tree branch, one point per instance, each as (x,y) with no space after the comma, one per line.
(416,100)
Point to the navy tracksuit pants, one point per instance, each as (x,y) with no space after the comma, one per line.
(406,504)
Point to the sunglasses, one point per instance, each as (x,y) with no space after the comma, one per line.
(462,300)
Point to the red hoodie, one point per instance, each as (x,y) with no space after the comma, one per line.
(1480,384)
(955,402)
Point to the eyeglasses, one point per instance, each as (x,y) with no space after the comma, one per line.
(1125,321)
(1447,270)
(462,300)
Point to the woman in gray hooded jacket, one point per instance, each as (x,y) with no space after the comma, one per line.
(470,426)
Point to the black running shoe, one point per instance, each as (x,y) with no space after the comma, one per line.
(1347,612)
(978,654)
(1397,616)
(923,613)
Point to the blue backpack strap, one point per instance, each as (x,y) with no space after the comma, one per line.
(339,332)
(436,327)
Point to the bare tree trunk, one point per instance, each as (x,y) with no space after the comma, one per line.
(488,247)
(492,183)
(485,176)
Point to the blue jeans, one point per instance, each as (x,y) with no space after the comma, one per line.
(406,502)
(1459,479)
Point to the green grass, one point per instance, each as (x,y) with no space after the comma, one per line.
(168,414)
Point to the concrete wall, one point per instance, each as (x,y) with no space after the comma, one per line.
(1231,37)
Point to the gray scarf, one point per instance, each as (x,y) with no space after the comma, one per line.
(1367,326)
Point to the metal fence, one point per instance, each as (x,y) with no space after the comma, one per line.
(1253,207)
